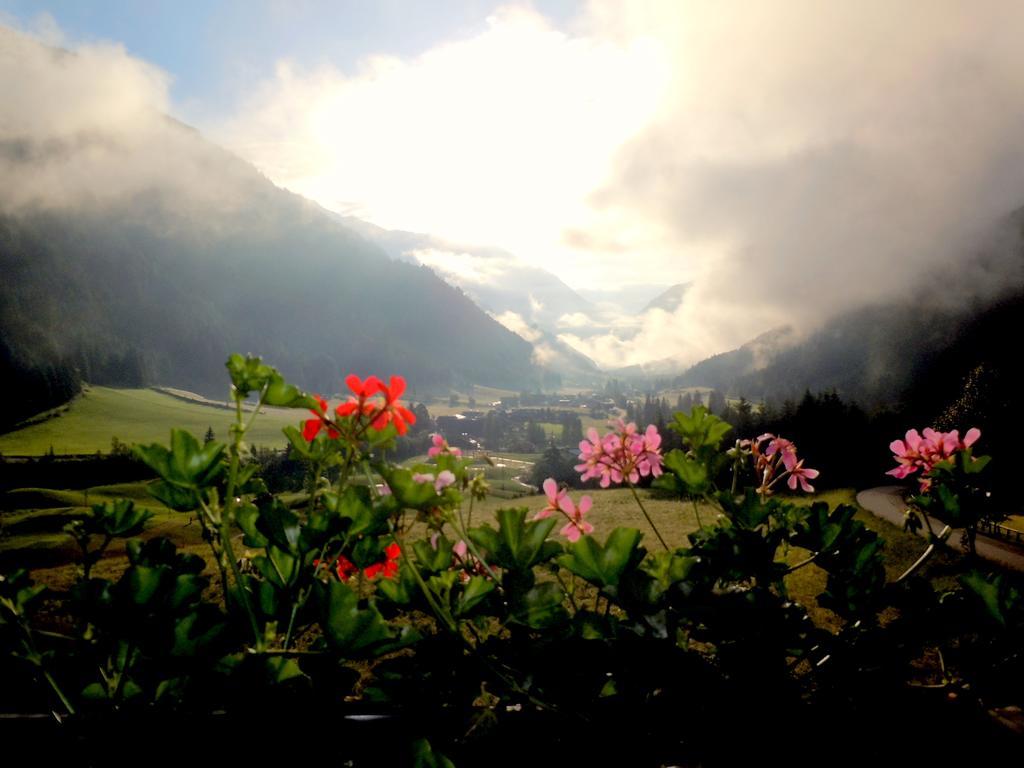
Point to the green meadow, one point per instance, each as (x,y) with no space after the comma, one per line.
(135,416)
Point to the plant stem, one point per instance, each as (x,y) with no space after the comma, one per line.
(211,528)
(696,511)
(291,624)
(60,694)
(445,617)
(225,537)
(644,510)
(476,553)
(943,535)
(122,676)
(802,563)
(568,594)
(228,517)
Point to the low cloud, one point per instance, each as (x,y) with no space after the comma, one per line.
(466,267)
(574,320)
(811,158)
(89,128)
(515,323)
(493,139)
(790,160)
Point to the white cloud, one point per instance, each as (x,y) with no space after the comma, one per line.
(574,320)
(89,128)
(545,354)
(515,323)
(791,159)
(496,139)
(466,267)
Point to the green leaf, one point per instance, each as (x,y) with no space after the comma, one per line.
(119,518)
(175,497)
(407,491)
(669,567)
(972,465)
(433,559)
(517,544)
(700,428)
(279,525)
(540,607)
(95,692)
(299,444)
(142,583)
(278,567)
(473,593)
(280,670)
(401,590)
(693,473)
(424,756)
(603,566)
(988,591)
(285,395)
(348,628)
(750,511)
(442,585)
(247,516)
(187,466)
(193,635)
(18,588)
(356,507)
(248,374)
(185,591)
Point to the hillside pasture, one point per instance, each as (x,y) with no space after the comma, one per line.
(136,416)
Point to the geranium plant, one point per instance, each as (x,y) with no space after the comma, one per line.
(375,586)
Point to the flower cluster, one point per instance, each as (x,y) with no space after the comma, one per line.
(560,503)
(923,451)
(775,458)
(624,454)
(440,446)
(364,403)
(388,567)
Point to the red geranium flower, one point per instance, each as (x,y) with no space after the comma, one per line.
(388,567)
(363,391)
(393,410)
(344,567)
(311,428)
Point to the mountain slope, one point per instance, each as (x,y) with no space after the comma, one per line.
(669,300)
(160,284)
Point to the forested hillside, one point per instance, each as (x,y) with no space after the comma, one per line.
(159,287)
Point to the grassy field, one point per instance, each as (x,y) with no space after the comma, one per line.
(136,416)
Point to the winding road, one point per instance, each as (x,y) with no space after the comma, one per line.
(887,503)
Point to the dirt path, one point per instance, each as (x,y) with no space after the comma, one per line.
(887,503)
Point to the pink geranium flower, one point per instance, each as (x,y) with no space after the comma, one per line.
(776,458)
(577,526)
(921,452)
(797,473)
(621,455)
(555,496)
(559,502)
(440,445)
(444,479)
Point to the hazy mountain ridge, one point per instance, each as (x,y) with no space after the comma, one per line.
(669,300)
(495,279)
(161,285)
